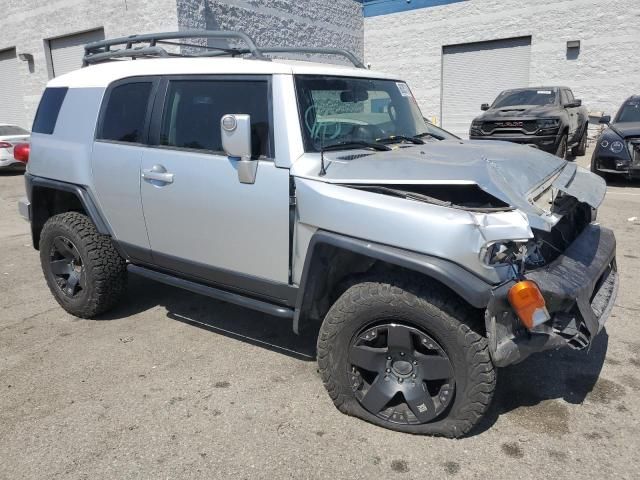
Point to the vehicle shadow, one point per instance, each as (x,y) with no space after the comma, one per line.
(256,328)
(566,374)
(623,182)
(11,172)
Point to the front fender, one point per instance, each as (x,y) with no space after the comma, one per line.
(467,285)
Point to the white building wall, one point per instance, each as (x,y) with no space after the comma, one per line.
(27,23)
(605,72)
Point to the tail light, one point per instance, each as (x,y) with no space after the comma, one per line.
(21,152)
(5,145)
(528,303)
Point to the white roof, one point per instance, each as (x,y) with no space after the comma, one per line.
(102,74)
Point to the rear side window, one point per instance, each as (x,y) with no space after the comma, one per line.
(48,110)
(124,117)
(194,108)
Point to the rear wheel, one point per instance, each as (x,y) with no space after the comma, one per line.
(403,357)
(84,271)
(580,149)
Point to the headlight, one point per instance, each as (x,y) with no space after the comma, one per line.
(604,143)
(548,123)
(617,146)
(503,252)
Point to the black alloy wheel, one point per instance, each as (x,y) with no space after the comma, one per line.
(401,374)
(67,266)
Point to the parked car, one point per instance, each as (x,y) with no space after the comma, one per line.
(618,147)
(318,194)
(548,118)
(9,136)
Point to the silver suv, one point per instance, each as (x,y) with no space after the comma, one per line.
(319,194)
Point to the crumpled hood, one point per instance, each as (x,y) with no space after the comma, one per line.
(520,111)
(627,129)
(508,171)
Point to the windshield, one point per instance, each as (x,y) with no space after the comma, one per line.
(511,98)
(342,110)
(12,130)
(630,112)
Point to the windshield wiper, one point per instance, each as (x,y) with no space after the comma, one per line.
(354,144)
(429,134)
(400,138)
(348,146)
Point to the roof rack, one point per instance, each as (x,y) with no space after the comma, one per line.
(147,45)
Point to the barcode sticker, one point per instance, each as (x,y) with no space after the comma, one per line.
(404,89)
(544,92)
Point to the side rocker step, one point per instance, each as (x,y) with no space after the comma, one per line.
(218,294)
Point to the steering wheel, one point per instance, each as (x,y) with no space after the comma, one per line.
(367,132)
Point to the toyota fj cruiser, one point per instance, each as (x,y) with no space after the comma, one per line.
(318,194)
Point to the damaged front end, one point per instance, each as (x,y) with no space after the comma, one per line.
(573,265)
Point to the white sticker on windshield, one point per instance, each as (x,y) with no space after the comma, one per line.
(404,89)
(544,92)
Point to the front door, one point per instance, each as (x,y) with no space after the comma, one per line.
(201,220)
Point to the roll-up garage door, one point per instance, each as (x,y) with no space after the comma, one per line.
(11,95)
(67,51)
(475,73)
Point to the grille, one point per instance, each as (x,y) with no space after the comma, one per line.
(354,156)
(526,126)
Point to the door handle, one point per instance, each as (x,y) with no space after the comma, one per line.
(157,173)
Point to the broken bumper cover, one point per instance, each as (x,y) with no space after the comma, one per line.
(579,288)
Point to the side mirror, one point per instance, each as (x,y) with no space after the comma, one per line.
(606,119)
(235,131)
(577,102)
(484,107)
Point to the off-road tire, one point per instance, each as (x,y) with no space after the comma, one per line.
(104,269)
(430,308)
(581,149)
(562,150)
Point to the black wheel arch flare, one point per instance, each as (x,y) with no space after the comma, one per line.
(322,251)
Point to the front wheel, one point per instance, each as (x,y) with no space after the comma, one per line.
(580,149)
(403,356)
(562,147)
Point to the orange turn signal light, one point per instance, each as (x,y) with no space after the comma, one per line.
(528,303)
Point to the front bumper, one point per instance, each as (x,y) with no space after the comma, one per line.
(579,288)
(24,208)
(547,143)
(11,164)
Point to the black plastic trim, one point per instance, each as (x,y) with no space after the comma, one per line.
(470,287)
(134,253)
(225,296)
(79,191)
(275,292)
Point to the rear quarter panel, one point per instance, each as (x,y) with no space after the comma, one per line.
(65,155)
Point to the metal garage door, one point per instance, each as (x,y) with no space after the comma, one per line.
(11,96)
(67,52)
(475,73)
